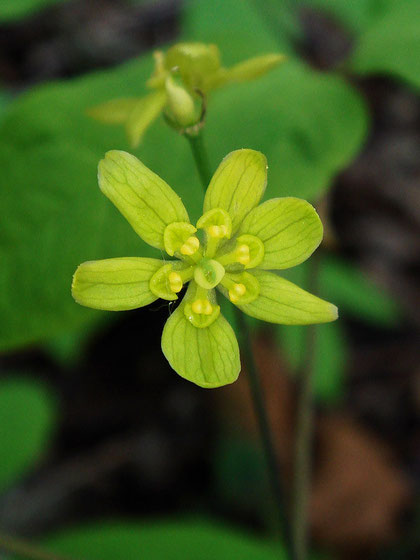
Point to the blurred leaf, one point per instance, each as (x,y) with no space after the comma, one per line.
(351,290)
(15,9)
(27,416)
(248,33)
(391,45)
(330,358)
(186,540)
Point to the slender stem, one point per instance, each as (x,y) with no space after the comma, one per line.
(19,547)
(203,168)
(201,158)
(263,424)
(304,431)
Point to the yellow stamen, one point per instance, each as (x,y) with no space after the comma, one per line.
(197,306)
(175,282)
(239,289)
(236,292)
(217,232)
(207,307)
(190,246)
(202,307)
(242,254)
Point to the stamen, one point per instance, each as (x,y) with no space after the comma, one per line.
(242,254)
(207,308)
(197,306)
(190,246)
(236,292)
(202,307)
(175,282)
(218,232)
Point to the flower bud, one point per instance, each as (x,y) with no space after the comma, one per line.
(181,106)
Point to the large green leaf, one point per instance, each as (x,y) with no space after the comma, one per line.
(181,540)
(391,45)
(27,415)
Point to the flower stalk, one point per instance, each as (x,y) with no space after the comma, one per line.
(302,464)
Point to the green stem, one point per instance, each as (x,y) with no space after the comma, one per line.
(19,547)
(304,431)
(201,158)
(266,436)
(204,170)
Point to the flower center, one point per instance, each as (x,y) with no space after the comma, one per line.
(208,273)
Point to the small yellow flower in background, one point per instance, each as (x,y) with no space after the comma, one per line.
(232,248)
(182,78)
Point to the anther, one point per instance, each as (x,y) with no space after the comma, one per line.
(175,282)
(217,232)
(202,307)
(190,246)
(242,254)
(236,292)
(197,306)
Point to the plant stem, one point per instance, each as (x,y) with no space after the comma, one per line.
(201,158)
(22,548)
(304,431)
(263,424)
(203,167)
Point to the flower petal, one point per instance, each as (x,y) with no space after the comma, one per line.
(143,198)
(253,67)
(238,184)
(146,110)
(281,301)
(290,229)
(209,357)
(115,111)
(115,284)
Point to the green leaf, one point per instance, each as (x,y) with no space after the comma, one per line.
(145,112)
(169,540)
(209,357)
(282,302)
(331,356)
(391,45)
(115,284)
(248,35)
(237,185)
(143,198)
(15,9)
(27,415)
(290,229)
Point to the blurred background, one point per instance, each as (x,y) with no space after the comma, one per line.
(104,451)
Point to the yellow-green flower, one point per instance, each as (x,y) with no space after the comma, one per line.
(181,79)
(232,249)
